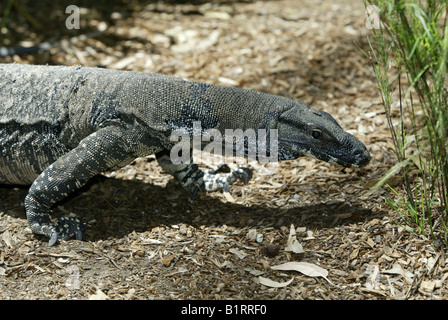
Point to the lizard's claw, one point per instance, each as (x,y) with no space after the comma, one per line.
(194,191)
(243,173)
(66,228)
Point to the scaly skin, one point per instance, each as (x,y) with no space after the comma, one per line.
(60,126)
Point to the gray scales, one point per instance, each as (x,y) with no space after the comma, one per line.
(60,126)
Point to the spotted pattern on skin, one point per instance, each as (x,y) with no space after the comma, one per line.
(194,179)
(60,126)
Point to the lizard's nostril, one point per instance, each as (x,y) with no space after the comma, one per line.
(363,157)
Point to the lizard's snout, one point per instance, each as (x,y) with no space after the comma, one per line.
(362,157)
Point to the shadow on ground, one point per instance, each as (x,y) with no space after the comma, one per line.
(114,208)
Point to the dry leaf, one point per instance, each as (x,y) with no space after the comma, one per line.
(6,236)
(252,234)
(240,254)
(229,197)
(217,15)
(98,295)
(254,272)
(274,284)
(432,262)
(151,241)
(373,277)
(397,269)
(308,269)
(292,244)
(167,261)
(427,286)
(370,242)
(354,254)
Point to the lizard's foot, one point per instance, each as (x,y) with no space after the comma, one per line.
(194,179)
(63,228)
(213,180)
(66,228)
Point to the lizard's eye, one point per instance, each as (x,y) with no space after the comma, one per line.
(316,134)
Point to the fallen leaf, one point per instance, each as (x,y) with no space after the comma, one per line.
(252,234)
(293,245)
(308,269)
(274,284)
(370,242)
(227,81)
(240,254)
(254,272)
(397,269)
(373,277)
(167,261)
(432,262)
(354,254)
(427,286)
(98,295)
(6,236)
(130,294)
(217,15)
(151,241)
(229,197)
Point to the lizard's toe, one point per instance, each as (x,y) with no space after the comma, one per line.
(53,239)
(194,191)
(66,228)
(244,173)
(221,168)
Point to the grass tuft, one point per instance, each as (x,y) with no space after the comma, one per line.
(408,54)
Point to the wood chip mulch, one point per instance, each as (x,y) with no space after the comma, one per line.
(146,239)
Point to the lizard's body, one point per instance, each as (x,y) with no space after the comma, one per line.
(60,126)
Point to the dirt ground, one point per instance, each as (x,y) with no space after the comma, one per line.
(146,239)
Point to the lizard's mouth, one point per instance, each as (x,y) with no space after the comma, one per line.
(358,159)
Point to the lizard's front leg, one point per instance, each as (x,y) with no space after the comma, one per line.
(194,179)
(96,153)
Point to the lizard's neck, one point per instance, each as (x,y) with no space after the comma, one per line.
(234,108)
